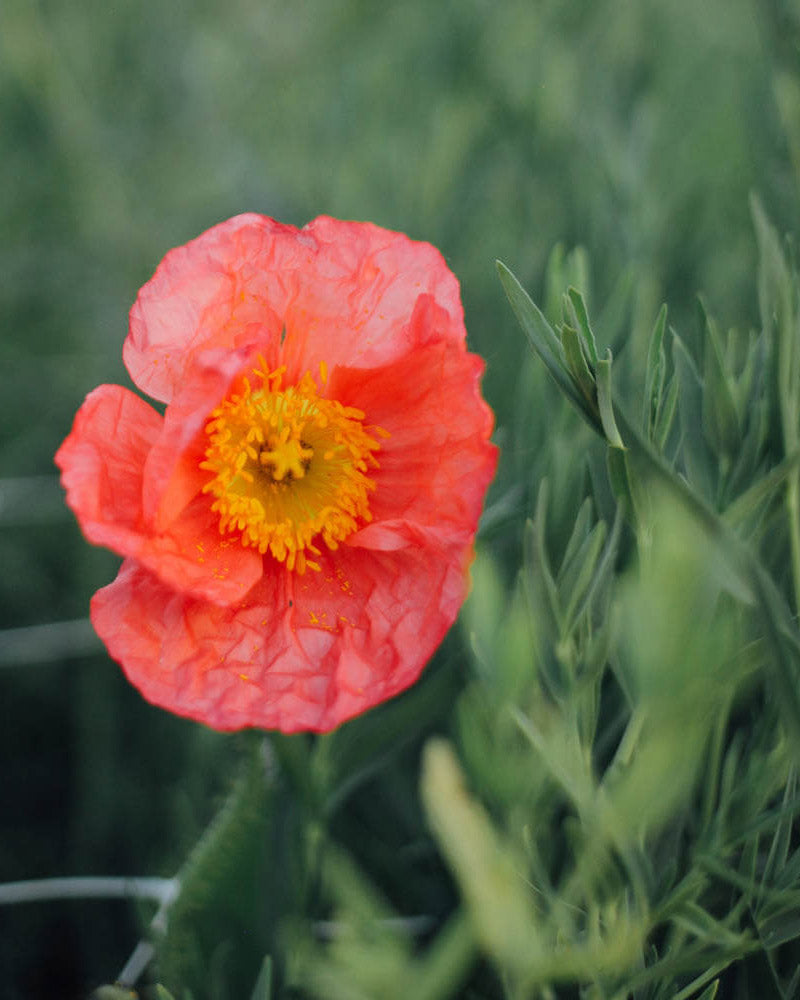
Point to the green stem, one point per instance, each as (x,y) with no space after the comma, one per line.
(90,887)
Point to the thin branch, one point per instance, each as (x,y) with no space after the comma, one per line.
(47,643)
(144,951)
(45,890)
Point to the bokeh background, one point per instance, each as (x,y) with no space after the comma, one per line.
(634,128)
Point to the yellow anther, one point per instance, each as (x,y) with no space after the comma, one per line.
(288,467)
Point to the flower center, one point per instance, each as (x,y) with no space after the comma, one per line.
(290,468)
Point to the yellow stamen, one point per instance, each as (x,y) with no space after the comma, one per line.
(290,468)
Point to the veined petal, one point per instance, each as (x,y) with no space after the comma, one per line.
(354,304)
(103,471)
(299,653)
(436,460)
(218,290)
(341,292)
(101,464)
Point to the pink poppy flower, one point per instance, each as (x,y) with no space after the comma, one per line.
(298,525)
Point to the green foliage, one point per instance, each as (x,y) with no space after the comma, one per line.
(593,789)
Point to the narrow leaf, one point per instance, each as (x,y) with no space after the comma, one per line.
(793,986)
(700,923)
(666,416)
(538,567)
(720,418)
(710,991)
(544,341)
(620,480)
(780,928)
(605,565)
(580,530)
(655,373)
(577,582)
(541,334)
(690,408)
(781,840)
(576,362)
(604,403)
(263,987)
(584,326)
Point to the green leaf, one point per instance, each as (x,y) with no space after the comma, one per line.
(720,418)
(576,362)
(619,479)
(482,864)
(217,879)
(604,403)
(781,839)
(789,875)
(710,991)
(746,472)
(696,455)
(778,300)
(263,987)
(666,416)
(538,573)
(580,531)
(780,927)
(605,567)
(774,280)
(539,331)
(576,299)
(580,574)
(700,923)
(544,341)
(655,373)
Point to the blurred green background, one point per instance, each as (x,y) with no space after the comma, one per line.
(636,129)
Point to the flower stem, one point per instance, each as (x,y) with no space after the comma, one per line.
(49,889)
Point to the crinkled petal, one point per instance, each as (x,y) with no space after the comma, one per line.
(300,652)
(437,461)
(173,476)
(224,288)
(354,306)
(103,465)
(342,292)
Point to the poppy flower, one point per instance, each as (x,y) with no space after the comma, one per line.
(297,524)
